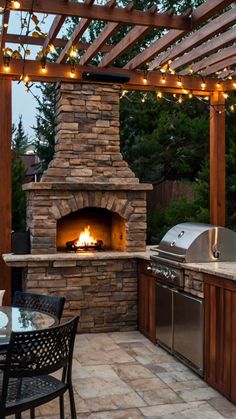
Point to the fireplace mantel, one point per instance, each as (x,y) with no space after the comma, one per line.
(98,186)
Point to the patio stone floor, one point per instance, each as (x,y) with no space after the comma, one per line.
(125,376)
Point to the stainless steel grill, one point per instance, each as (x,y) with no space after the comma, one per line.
(179,316)
(191,242)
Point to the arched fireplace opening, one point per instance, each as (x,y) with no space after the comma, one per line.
(91,229)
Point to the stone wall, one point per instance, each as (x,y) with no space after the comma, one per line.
(102,292)
(194,283)
(88,136)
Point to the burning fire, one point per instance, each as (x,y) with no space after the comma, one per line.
(85,238)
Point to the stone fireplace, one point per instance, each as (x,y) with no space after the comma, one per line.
(88,185)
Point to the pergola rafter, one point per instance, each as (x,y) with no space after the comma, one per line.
(78,32)
(213,59)
(210,29)
(127,42)
(214,44)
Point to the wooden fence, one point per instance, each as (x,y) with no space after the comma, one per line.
(166,192)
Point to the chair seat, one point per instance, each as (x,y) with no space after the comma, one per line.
(32,390)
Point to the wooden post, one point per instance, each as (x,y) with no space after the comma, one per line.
(217,159)
(5,186)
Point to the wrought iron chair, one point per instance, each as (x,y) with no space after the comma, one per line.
(40,302)
(47,303)
(31,359)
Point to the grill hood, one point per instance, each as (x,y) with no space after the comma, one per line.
(197,242)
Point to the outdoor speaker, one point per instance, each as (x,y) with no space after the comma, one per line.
(106,77)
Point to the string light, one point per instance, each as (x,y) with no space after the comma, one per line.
(163,79)
(159,95)
(51,48)
(179,82)
(73,52)
(232,108)
(190,70)
(145,74)
(26,79)
(43,64)
(15,4)
(190,95)
(203,84)
(234,84)
(180,100)
(225,95)
(218,84)
(72,68)
(6,61)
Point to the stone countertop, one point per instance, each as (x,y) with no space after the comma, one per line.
(23,260)
(223,269)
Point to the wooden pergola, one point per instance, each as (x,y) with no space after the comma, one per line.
(196,54)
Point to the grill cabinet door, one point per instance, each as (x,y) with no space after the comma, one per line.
(164,316)
(188,329)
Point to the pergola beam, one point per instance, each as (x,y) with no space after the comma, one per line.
(217,159)
(134,17)
(4,25)
(58,42)
(203,50)
(210,29)
(55,72)
(5,189)
(133,36)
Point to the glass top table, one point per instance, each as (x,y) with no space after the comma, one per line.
(21,320)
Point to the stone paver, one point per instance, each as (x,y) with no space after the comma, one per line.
(125,376)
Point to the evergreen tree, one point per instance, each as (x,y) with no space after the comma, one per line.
(19,143)
(45,123)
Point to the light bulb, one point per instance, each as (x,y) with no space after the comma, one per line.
(231,108)
(203,85)
(15,4)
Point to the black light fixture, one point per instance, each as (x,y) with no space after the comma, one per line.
(106,77)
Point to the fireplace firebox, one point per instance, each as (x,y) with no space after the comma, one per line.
(91,229)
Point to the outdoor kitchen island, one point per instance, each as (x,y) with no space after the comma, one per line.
(215,282)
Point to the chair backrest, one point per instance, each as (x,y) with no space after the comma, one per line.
(40,352)
(50,304)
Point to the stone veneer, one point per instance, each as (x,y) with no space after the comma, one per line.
(102,292)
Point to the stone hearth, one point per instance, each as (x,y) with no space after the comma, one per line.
(88,173)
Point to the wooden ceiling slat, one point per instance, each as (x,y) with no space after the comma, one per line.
(57,72)
(219,66)
(58,42)
(205,10)
(130,39)
(78,32)
(98,12)
(105,34)
(210,29)
(213,59)
(5,20)
(204,49)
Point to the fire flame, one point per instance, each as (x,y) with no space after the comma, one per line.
(85,238)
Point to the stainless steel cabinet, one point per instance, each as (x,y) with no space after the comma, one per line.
(180,325)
